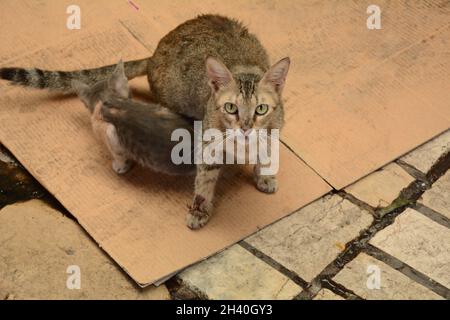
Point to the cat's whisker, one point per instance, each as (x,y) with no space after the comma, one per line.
(207,144)
(262,143)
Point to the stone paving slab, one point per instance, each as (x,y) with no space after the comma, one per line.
(38,244)
(308,240)
(237,274)
(438,197)
(393,284)
(382,187)
(419,242)
(326,294)
(423,157)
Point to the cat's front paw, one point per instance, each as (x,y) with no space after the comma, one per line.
(199,213)
(267,184)
(196,219)
(121,167)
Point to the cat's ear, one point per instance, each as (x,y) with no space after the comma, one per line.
(276,75)
(118,81)
(218,74)
(82,90)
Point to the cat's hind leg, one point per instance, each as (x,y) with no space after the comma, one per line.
(120,164)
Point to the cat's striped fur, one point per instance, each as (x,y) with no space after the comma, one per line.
(61,80)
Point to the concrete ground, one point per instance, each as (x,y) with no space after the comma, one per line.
(385,237)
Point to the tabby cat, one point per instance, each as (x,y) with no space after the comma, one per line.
(209,68)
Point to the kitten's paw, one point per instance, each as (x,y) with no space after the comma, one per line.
(267,184)
(196,219)
(121,167)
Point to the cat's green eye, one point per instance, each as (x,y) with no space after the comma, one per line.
(231,108)
(262,109)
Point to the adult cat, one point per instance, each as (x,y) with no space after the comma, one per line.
(236,90)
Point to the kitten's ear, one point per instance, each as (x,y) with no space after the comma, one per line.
(218,74)
(118,82)
(82,90)
(276,75)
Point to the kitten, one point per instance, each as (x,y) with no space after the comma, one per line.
(132,131)
(210,68)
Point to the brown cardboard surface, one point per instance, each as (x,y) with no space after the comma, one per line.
(375,94)
(138,219)
(356,99)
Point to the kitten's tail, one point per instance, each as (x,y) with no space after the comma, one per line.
(62,80)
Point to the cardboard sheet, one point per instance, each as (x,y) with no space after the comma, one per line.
(381,93)
(356,99)
(138,219)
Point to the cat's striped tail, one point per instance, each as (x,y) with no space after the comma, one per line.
(62,80)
